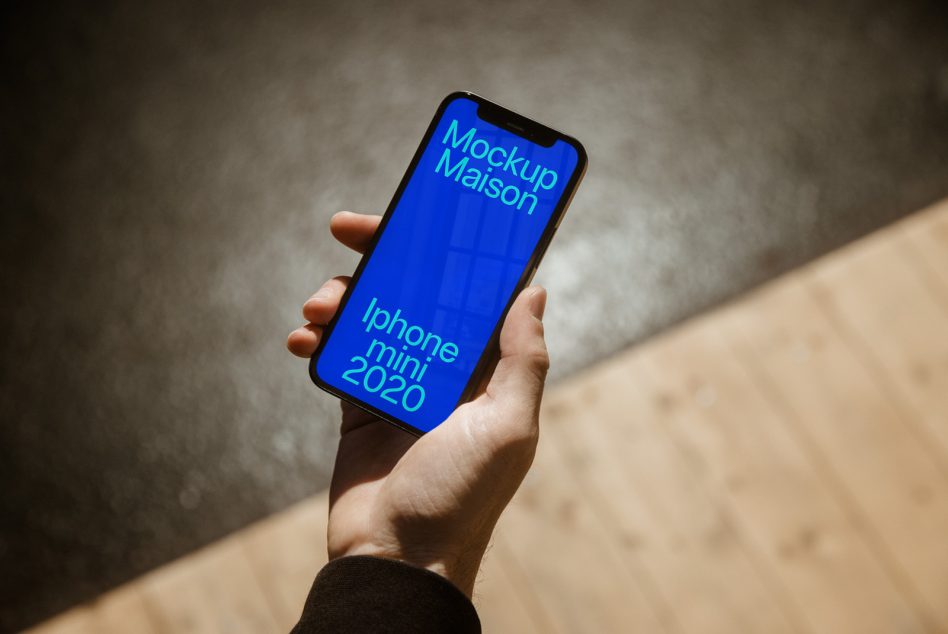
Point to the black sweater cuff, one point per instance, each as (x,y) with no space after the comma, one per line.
(371,594)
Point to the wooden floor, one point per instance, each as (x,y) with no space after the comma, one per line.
(777,465)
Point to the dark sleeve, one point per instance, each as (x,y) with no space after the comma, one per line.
(371,594)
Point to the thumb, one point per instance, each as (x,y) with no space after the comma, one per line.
(524,361)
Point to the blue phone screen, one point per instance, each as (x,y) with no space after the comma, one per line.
(455,246)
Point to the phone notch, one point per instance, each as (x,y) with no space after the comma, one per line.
(517,124)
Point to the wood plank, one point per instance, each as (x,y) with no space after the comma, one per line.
(120,611)
(859,439)
(77,620)
(566,557)
(286,551)
(611,437)
(799,530)
(926,238)
(500,600)
(213,590)
(882,306)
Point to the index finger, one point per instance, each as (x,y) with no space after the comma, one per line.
(354,230)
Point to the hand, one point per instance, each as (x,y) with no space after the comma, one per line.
(433,501)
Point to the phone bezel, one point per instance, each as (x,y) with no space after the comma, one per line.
(516,124)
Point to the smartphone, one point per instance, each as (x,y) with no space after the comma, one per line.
(419,324)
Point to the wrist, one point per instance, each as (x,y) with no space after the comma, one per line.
(458,568)
(462,572)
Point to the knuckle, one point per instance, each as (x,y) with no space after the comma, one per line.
(539,360)
(518,438)
(521,439)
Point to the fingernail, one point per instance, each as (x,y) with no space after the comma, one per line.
(322,293)
(538,302)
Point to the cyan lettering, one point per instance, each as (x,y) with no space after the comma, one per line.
(382,351)
(453,133)
(448,170)
(511,164)
(547,180)
(490,156)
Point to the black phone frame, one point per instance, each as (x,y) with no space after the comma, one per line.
(514,123)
